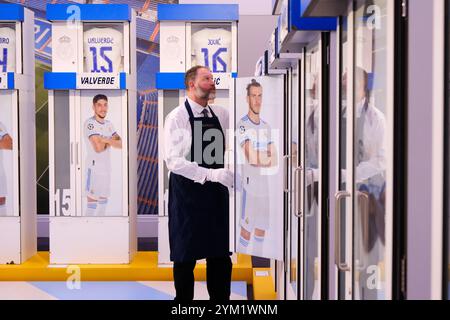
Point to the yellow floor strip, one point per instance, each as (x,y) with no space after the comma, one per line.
(263,287)
(143,268)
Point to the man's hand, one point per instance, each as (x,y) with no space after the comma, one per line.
(223,176)
(113,142)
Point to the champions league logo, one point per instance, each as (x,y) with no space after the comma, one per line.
(90,126)
(241,129)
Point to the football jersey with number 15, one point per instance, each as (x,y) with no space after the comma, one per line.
(7,49)
(103,50)
(212,48)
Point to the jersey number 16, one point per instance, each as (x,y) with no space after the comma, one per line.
(215,59)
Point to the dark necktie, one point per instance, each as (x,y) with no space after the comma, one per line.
(205,113)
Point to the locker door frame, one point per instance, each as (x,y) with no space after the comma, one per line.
(51,133)
(19,47)
(399,224)
(286,163)
(390,132)
(124,152)
(301,204)
(446,156)
(16,143)
(78,124)
(325,163)
(295,216)
(347,265)
(317,43)
(289,193)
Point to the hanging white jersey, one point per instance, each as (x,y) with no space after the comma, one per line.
(7,50)
(99,160)
(103,50)
(212,48)
(254,179)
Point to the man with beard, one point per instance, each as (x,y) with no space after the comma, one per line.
(194,147)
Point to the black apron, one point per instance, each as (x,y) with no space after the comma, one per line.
(199,214)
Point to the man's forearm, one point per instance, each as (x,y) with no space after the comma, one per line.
(115,143)
(187,169)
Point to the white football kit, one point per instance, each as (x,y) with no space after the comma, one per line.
(7,49)
(255,183)
(3,189)
(212,48)
(103,50)
(98,164)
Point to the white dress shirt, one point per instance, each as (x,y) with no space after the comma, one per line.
(177,139)
(374,137)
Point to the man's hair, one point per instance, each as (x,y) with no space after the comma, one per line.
(99,97)
(253,83)
(191,74)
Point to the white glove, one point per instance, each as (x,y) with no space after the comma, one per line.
(223,176)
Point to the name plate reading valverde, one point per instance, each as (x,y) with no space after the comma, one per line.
(222,80)
(98,81)
(3,80)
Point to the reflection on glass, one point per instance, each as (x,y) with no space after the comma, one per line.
(370,148)
(343,125)
(312,173)
(6,155)
(295,163)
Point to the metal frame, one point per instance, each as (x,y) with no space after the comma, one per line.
(400,183)
(325,165)
(317,44)
(440,168)
(446,211)
(295,215)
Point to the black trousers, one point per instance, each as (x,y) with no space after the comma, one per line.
(218,279)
